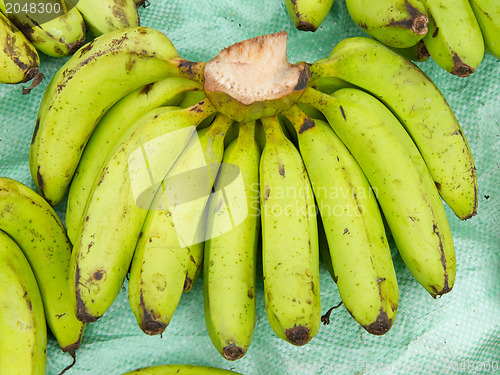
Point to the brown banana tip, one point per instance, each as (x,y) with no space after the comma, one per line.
(187,284)
(151,327)
(462,70)
(306,26)
(422,51)
(420,24)
(446,289)
(233,352)
(298,335)
(71,349)
(381,325)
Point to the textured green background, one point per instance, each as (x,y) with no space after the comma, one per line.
(462,327)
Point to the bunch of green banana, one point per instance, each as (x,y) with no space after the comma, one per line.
(35,227)
(307,15)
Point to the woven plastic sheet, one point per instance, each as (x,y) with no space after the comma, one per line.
(458,333)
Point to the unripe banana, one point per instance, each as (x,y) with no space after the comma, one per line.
(290,254)
(119,202)
(359,251)
(104,16)
(81,92)
(180,370)
(488,17)
(454,39)
(111,127)
(35,227)
(400,179)
(23,332)
(421,108)
(307,15)
(168,243)
(60,36)
(230,255)
(396,23)
(416,53)
(18,58)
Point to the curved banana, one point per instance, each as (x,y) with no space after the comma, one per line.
(488,17)
(58,36)
(23,332)
(231,248)
(429,119)
(18,58)
(35,227)
(172,235)
(180,370)
(119,201)
(307,15)
(359,251)
(396,23)
(400,180)
(290,254)
(104,16)
(454,39)
(80,93)
(110,128)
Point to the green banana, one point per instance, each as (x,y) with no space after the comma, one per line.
(23,347)
(180,370)
(167,245)
(19,60)
(60,36)
(290,253)
(118,204)
(488,17)
(230,255)
(307,15)
(421,108)
(454,40)
(418,52)
(360,254)
(35,227)
(104,16)
(110,128)
(401,181)
(80,93)
(396,23)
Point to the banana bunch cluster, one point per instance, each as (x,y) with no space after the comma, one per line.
(454,33)
(56,28)
(173,165)
(34,287)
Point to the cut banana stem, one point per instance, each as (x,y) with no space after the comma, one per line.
(119,202)
(173,233)
(19,60)
(307,15)
(396,23)
(290,253)
(400,180)
(359,251)
(110,128)
(80,93)
(454,39)
(231,249)
(420,107)
(416,53)
(35,227)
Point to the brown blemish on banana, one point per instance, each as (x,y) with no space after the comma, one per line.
(87,48)
(460,68)
(298,335)
(232,352)
(381,325)
(267,191)
(342,112)
(35,131)
(98,275)
(146,89)
(187,284)
(306,125)
(81,309)
(303,80)
(150,324)
(435,33)
(422,52)
(446,288)
(250,294)
(281,168)
(39,180)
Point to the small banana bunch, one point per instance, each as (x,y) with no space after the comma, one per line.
(56,28)
(34,286)
(171,165)
(454,33)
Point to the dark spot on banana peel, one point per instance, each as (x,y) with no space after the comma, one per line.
(267,191)
(187,66)
(342,112)
(435,33)
(150,325)
(98,275)
(363,26)
(146,89)
(282,170)
(303,80)
(86,48)
(422,52)
(187,284)
(250,294)
(75,46)
(298,335)
(39,180)
(460,68)
(35,131)
(81,310)
(446,288)
(305,26)
(130,64)
(381,325)
(233,352)
(306,125)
